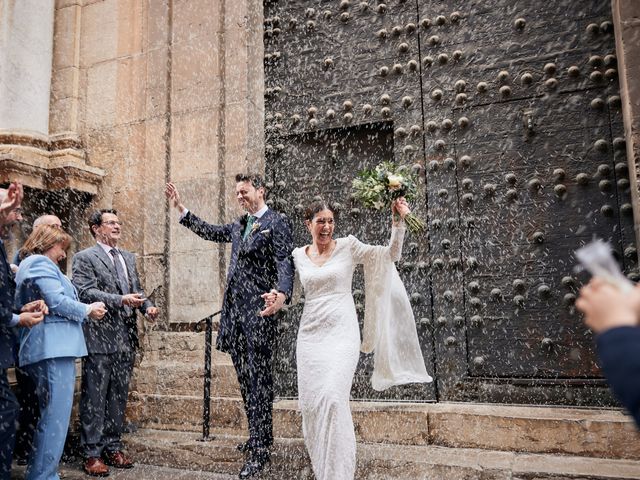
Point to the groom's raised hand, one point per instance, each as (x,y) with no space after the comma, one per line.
(171,192)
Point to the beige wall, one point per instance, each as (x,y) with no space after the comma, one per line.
(26,42)
(155,95)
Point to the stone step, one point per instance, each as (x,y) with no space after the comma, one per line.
(186,450)
(185,347)
(169,377)
(376,461)
(568,431)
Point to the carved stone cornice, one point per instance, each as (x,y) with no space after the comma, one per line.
(47,162)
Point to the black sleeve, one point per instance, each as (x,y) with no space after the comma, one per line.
(214,233)
(619,352)
(283,244)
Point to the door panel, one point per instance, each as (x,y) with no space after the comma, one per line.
(535,177)
(338,153)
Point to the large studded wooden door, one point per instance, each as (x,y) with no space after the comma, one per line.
(510,109)
(525,163)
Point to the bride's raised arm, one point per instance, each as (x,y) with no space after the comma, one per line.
(362,252)
(389,329)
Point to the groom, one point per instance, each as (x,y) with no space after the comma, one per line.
(261,245)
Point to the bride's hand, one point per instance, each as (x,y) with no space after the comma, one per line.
(400,207)
(273,302)
(269,298)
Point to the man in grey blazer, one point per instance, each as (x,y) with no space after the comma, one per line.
(106,273)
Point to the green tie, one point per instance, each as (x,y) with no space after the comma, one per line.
(247,229)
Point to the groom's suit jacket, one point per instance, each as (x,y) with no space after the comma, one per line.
(259,263)
(95,277)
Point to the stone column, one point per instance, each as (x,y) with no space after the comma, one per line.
(26,54)
(28,151)
(217,124)
(626,20)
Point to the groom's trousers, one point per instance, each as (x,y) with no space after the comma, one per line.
(252,356)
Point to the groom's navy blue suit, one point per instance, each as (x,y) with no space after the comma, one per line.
(260,262)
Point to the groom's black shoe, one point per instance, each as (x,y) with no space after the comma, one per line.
(259,458)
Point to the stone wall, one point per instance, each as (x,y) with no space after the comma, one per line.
(25,54)
(155,95)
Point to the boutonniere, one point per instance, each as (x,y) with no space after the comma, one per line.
(255,227)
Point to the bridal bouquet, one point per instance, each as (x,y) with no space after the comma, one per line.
(378,187)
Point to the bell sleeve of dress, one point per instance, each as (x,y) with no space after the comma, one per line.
(389,325)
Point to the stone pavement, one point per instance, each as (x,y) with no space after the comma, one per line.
(73,471)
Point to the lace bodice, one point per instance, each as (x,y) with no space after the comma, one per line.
(336,274)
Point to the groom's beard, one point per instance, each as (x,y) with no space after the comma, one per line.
(244,206)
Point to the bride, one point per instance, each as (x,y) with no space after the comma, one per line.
(329,338)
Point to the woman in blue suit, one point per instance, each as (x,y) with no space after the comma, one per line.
(48,351)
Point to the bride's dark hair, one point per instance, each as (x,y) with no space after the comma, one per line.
(319,205)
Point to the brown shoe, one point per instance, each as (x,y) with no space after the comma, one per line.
(117,459)
(95,467)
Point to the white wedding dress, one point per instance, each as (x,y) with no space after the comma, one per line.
(329,343)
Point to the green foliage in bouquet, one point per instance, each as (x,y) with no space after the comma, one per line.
(378,187)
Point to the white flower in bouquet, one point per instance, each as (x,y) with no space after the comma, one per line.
(395,181)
